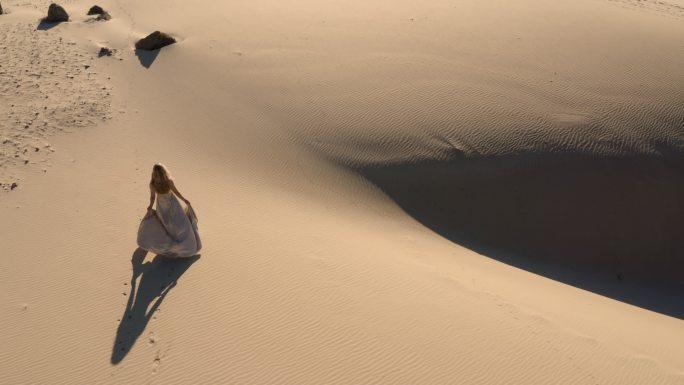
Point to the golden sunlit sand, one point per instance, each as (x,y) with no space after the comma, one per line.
(388,192)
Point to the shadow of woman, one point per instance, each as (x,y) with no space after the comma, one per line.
(157,278)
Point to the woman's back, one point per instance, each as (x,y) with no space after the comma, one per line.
(168,230)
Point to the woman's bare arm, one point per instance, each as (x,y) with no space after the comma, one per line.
(178,194)
(153,194)
(151,211)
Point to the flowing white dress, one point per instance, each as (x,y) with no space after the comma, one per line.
(181,237)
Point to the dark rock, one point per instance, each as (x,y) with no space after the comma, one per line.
(104,51)
(155,40)
(0,8)
(56,14)
(14,185)
(100,12)
(96,10)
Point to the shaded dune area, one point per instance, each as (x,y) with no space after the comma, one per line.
(608,224)
(578,177)
(583,187)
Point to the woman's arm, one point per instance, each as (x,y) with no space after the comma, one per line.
(178,194)
(153,194)
(151,211)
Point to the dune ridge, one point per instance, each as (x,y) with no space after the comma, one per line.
(566,167)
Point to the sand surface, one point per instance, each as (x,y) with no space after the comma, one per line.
(388,192)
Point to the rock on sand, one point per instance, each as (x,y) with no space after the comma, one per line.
(56,14)
(155,40)
(100,12)
(96,10)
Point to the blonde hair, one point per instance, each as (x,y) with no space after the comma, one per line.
(161,179)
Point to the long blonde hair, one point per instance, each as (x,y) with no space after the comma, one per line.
(161,179)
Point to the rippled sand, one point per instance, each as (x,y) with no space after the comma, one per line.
(473,192)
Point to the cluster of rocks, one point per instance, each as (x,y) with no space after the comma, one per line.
(8,186)
(57,13)
(153,41)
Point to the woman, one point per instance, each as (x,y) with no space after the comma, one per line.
(169,230)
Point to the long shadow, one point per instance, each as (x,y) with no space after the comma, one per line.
(46,25)
(147,58)
(157,278)
(613,226)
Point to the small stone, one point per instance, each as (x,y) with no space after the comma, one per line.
(13,185)
(0,8)
(96,10)
(155,40)
(56,14)
(104,51)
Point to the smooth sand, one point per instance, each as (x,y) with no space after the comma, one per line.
(388,192)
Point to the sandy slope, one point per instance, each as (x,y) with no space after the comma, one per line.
(303,134)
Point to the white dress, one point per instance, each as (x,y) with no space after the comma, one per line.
(181,237)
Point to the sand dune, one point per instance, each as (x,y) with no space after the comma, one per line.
(387,192)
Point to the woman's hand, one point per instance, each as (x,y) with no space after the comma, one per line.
(150,212)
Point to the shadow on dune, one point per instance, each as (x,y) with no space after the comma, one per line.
(46,25)
(613,226)
(157,278)
(146,58)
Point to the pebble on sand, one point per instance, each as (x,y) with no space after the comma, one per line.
(0,8)
(100,12)
(56,14)
(105,51)
(155,40)
(96,10)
